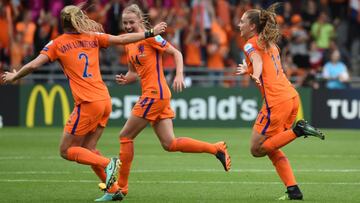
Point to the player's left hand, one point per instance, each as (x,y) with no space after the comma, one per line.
(8,77)
(179,83)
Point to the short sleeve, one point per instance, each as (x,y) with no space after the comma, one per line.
(158,43)
(50,51)
(103,39)
(249,48)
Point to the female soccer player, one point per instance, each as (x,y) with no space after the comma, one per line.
(271,130)
(77,50)
(153,106)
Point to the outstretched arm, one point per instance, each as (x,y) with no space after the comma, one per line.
(178,83)
(134,37)
(9,77)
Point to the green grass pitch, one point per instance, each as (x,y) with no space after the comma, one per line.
(32,171)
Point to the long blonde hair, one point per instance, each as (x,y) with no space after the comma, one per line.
(133,8)
(74,18)
(266,25)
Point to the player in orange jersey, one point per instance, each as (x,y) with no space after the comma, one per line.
(272,128)
(77,50)
(153,106)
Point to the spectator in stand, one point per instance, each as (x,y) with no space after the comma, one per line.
(298,48)
(6,31)
(309,14)
(315,57)
(215,61)
(46,30)
(27,27)
(354,35)
(322,31)
(194,40)
(17,50)
(335,72)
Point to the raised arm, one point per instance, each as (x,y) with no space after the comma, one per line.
(134,37)
(9,77)
(178,83)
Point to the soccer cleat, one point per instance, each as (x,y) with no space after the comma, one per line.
(302,128)
(111,171)
(223,155)
(117,196)
(293,193)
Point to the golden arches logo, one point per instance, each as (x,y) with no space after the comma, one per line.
(300,114)
(48,99)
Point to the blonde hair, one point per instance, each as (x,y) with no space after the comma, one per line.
(266,24)
(73,17)
(133,8)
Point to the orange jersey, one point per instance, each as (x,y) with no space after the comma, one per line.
(276,88)
(146,57)
(79,56)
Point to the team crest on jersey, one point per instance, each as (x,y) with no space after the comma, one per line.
(248,48)
(141,49)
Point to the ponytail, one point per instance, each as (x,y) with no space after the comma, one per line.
(266,25)
(73,17)
(269,32)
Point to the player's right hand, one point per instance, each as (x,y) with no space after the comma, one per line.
(121,80)
(160,28)
(241,69)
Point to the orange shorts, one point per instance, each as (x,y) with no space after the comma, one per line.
(278,118)
(152,109)
(87,116)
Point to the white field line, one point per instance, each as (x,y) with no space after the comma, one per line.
(325,156)
(180,182)
(186,170)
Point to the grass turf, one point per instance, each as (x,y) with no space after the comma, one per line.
(32,171)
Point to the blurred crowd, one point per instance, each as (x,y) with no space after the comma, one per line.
(320,38)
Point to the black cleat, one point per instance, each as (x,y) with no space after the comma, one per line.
(302,128)
(294,193)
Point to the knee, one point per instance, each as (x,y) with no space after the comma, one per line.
(256,152)
(63,153)
(167,146)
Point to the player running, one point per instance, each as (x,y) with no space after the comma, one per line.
(77,50)
(153,106)
(272,128)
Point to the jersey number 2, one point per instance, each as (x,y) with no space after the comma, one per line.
(85,73)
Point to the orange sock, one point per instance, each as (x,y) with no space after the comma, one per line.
(279,140)
(185,144)
(283,167)
(126,157)
(85,156)
(114,188)
(99,171)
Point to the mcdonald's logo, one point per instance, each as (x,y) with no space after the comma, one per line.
(300,114)
(48,99)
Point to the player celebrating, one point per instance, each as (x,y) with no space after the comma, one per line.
(145,61)
(77,50)
(271,130)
